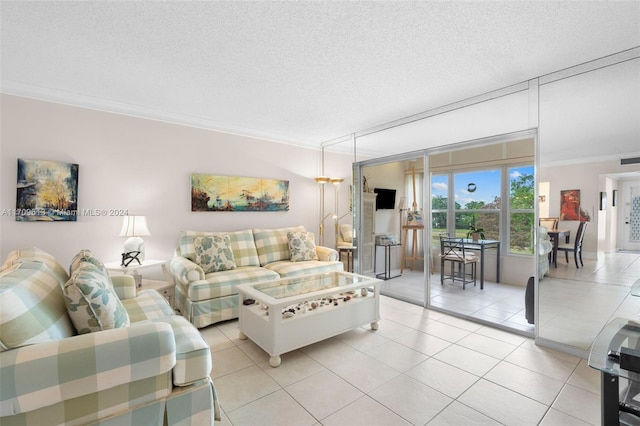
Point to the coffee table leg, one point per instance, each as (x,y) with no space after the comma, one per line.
(242,336)
(374,325)
(275,361)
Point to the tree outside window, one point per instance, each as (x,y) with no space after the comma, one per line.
(521,210)
(478,202)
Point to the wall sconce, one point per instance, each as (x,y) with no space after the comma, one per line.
(133,227)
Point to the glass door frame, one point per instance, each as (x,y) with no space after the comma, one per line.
(427,236)
(358,176)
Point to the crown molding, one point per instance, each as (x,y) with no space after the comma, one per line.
(64,98)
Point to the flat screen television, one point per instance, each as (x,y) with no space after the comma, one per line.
(386,199)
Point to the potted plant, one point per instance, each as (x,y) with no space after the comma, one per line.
(475,233)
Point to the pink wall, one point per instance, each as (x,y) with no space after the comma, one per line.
(144,166)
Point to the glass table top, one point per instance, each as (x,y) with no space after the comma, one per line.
(620,332)
(305,284)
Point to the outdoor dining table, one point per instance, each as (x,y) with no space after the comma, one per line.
(482,245)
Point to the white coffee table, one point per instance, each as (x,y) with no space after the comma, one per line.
(350,301)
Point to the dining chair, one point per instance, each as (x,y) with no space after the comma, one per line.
(453,250)
(549,222)
(576,247)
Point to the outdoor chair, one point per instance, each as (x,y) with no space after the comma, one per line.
(463,263)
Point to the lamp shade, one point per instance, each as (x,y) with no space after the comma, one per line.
(134,226)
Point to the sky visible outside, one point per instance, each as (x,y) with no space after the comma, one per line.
(487,184)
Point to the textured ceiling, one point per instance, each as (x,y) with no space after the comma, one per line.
(296,72)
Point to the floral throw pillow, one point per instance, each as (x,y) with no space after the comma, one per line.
(91,301)
(302,246)
(214,254)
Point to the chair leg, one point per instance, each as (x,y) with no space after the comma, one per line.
(475,273)
(575,258)
(581,258)
(566,256)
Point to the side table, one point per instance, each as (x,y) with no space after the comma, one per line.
(349,252)
(165,288)
(615,352)
(133,269)
(386,275)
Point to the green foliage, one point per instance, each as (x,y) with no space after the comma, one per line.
(474,230)
(521,196)
(522,192)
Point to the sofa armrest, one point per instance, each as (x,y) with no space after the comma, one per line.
(40,375)
(125,286)
(544,247)
(184,270)
(326,254)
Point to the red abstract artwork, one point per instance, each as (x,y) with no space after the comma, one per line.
(570,206)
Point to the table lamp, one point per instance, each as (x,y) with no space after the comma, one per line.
(134,227)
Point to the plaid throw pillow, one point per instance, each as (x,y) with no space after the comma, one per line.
(214,254)
(302,246)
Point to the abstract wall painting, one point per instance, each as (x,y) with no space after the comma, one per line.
(570,208)
(47,191)
(211,193)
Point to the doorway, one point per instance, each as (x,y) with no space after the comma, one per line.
(394,185)
(629,203)
(508,216)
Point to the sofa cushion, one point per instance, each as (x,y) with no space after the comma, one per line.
(220,284)
(242,244)
(286,268)
(92,302)
(32,308)
(85,255)
(302,246)
(213,253)
(34,254)
(273,244)
(148,304)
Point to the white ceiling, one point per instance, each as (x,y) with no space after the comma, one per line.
(308,72)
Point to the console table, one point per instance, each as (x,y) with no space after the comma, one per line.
(386,275)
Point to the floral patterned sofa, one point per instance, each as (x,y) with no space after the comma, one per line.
(207,266)
(85,348)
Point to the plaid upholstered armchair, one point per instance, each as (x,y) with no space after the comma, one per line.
(85,348)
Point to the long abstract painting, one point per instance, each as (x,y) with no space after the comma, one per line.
(46,191)
(211,193)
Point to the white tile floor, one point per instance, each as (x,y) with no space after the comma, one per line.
(420,367)
(574,303)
